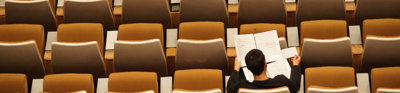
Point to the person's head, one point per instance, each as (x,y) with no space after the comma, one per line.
(255,61)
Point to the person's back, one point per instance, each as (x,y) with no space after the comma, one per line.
(256,63)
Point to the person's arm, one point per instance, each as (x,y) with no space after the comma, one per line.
(295,75)
(234,80)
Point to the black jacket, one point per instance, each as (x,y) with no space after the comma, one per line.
(238,80)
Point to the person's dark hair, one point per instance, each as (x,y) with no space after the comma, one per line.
(255,61)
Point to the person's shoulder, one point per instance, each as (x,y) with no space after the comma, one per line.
(280,77)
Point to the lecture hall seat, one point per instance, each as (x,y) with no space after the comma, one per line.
(257,16)
(326,52)
(380,52)
(78,58)
(201,30)
(146,11)
(386,78)
(144,56)
(328,63)
(82,32)
(80,91)
(141,32)
(13,83)
(74,41)
(133,82)
(319,89)
(203,10)
(31,12)
(323,29)
(23,32)
(89,11)
(381,27)
(265,14)
(308,10)
(204,30)
(198,80)
(197,91)
(201,54)
(22,57)
(67,83)
(329,77)
(284,89)
(376,9)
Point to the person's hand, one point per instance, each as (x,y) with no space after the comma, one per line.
(296,60)
(238,64)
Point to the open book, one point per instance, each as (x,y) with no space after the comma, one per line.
(268,43)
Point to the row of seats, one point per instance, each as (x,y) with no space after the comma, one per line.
(383,80)
(123,82)
(85,32)
(157,11)
(75,51)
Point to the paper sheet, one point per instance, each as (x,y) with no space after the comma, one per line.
(233,1)
(112,36)
(290,1)
(60,3)
(289,52)
(293,36)
(268,43)
(244,43)
(2,3)
(172,37)
(117,2)
(279,67)
(175,1)
(51,37)
(230,35)
(355,34)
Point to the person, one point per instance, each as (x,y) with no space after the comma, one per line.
(256,63)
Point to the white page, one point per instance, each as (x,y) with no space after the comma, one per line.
(60,3)
(166,84)
(230,34)
(2,3)
(278,68)
(293,36)
(117,2)
(175,1)
(102,85)
(37,86)
(233,1)
(51,37)
(268,43)
(172,37)
(289,52)
(112,36)
(244,43)
(355,34)
(363,82)
(290,1)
